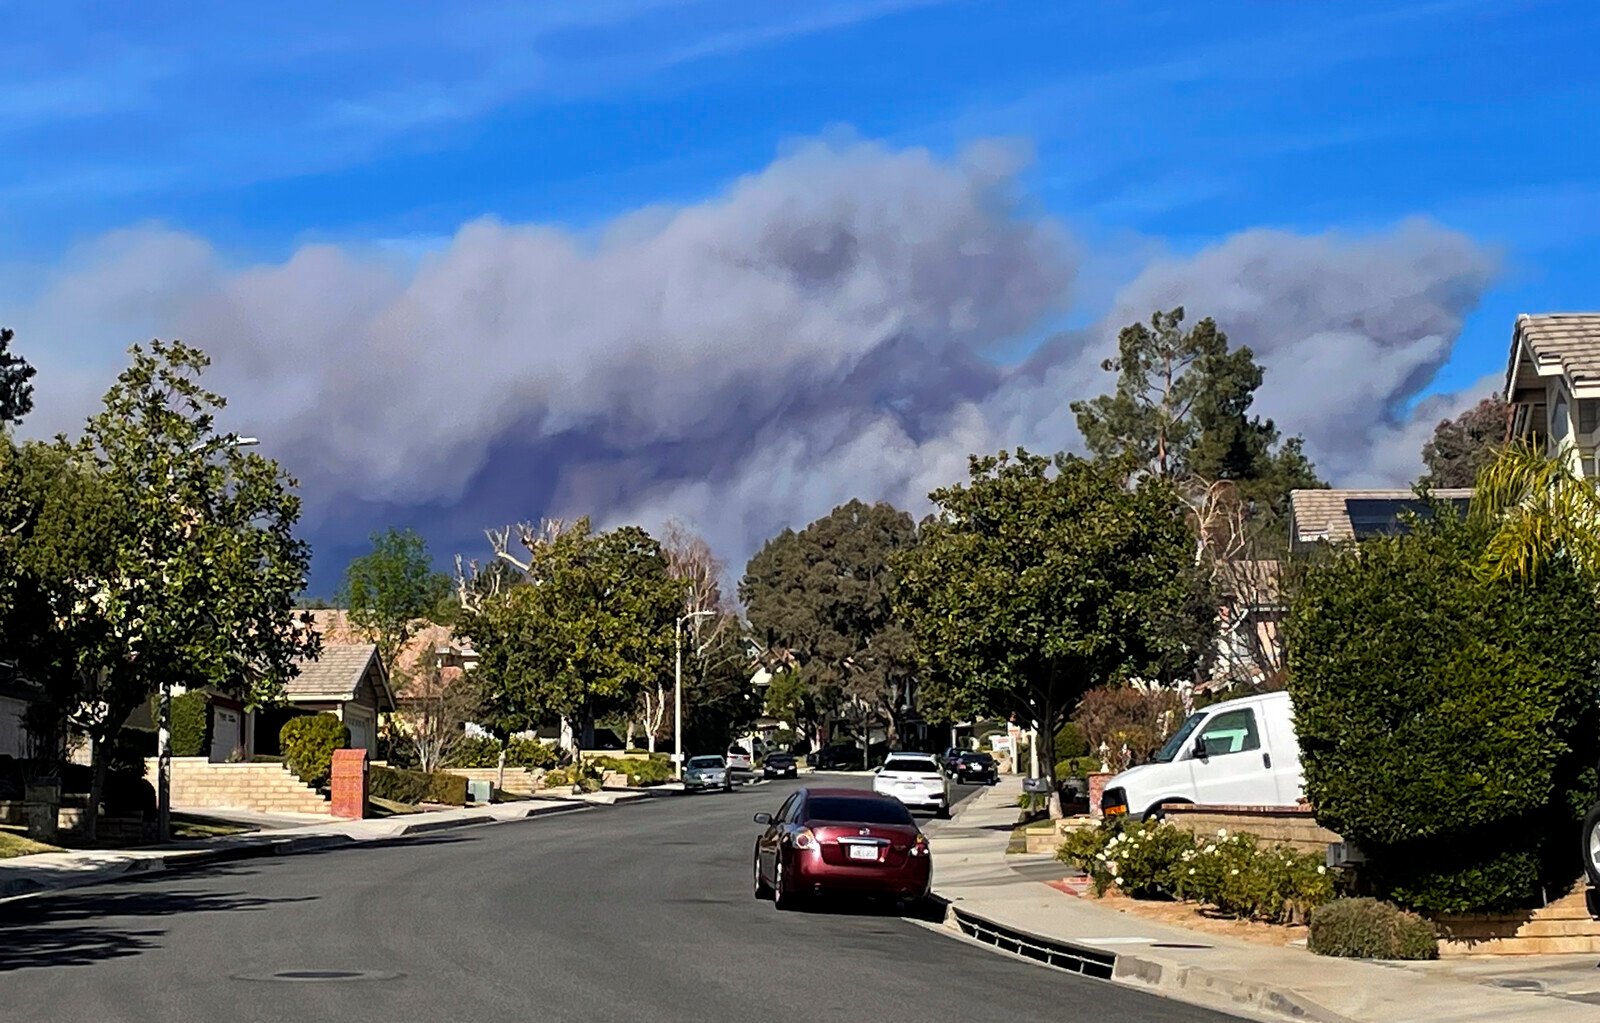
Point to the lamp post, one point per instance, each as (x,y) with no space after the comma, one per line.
(677,689)
(164,725)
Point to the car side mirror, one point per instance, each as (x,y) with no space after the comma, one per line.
(763,818)
(1200,751)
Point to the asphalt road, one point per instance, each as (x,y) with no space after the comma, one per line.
(631,914)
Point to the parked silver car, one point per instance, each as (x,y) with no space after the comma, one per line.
(701,774)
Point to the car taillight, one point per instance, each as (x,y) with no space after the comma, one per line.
(920,846)
(804,839)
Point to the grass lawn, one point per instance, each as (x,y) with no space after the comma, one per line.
(15,845)
(199,827)
(380,807)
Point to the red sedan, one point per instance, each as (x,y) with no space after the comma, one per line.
(840,841)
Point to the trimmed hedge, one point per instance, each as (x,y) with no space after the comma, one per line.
(1448,723)
(308,743)
(531,753)
(416,786)
(1369,929)
(477,751)
(191,725)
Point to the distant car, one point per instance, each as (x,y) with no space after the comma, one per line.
(739,759)
(972,767)
(838,757)
(840,842)
(915,779)
(780,765)
(702,774)
(951,757)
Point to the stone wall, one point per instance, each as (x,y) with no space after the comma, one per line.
(1292,825)
(519,780)
(1562,927)
(261,788)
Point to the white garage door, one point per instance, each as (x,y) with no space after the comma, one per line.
(360,730)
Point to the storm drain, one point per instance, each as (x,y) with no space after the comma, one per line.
(1063,956)
(319,976)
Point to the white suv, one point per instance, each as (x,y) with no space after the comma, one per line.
(917,780)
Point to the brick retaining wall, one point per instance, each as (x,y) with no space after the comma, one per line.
(262,788)
(1292,825)
(519,780)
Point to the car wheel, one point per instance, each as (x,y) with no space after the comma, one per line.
(763,890)
(781,897)
(1591,845)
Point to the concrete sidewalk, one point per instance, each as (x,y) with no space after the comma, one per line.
(997,894)
(30,875)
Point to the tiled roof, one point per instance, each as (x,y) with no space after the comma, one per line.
(1324,515)
(335,626)
(336,675)
(1570,340)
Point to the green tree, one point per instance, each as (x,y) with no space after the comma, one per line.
(191,568)
(824,596)
(1460,448)
(718,699)
(1039,580)
(392,587)
(583,631)
(1449,720)
(1181,409)
(16,387)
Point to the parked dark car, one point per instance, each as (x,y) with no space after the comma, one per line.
(950,757)
(974,768)
(839,757)
(840,842)
(780,765)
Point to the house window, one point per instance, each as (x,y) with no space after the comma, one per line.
(1558,420)
(1588,414)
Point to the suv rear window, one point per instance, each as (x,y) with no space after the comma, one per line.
(911,765)
(866,811)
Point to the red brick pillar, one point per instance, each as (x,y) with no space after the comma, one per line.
(1097,790)
(350,783)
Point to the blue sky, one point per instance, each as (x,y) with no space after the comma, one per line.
(1153,129)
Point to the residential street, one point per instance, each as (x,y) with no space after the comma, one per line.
(634,912)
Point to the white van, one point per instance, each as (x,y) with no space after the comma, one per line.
(1241,752)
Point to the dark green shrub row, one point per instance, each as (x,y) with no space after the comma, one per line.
(416,786)
(1448,722)
(191,725)
(1369,929)
(476,751)
(308,743)
(653,771)
(532,754)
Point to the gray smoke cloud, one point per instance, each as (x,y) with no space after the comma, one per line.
(824,329)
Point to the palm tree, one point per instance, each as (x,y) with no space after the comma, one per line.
(1540,508)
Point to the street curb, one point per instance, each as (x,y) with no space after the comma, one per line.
(1191,984)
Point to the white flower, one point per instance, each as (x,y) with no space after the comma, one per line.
(1222,832)
(1191,871)
(1322,870)
(1211,848)
(1112,866)
(1100,856)
(1117,880)
(1234,872)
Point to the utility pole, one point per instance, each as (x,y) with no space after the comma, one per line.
(677,690)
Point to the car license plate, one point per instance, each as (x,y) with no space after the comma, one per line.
(864,852)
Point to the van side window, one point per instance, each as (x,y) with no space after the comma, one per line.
(1232,731)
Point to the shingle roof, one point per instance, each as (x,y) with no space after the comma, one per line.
(1324,514)
(1570,340)
(336,675)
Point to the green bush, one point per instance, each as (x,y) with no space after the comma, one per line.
(308,743)
(477,751)
(1369,929)
(191,725)
(531,753)
(416,786)
(1447,722)
(1070,742)
(784,739)
(639,772)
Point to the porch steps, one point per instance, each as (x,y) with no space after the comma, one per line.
(260,788)
(1561,927)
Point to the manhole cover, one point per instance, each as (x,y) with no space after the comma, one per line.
(318,976)
(1517,984)
(1175,944)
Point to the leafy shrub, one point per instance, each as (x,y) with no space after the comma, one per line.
(784,739)
(1120,715)
(1083,847)
(1369,929)
(308,743)
(1070,742)
(1447,722)
(477,751)
(531,753)
(1143,860)
(416,786)
(653,771)
(191,725)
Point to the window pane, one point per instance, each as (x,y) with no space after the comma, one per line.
(1233,731)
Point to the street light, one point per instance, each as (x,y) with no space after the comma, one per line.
(164,725)
(677,689)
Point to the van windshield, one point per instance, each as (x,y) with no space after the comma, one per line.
(1174,745)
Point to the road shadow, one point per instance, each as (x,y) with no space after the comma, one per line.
(81,928)
(925,910)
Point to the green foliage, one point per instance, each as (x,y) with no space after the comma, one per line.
(1070,741)
(1369,929)
(388,589)
(784,739)
(191,725)
(582,635)
(640,773)
(1039,580)
(1462,447)
(824,596)
(1234,873)
(308,743)
(16,390)
(415,787)
(1447,720)
(532,754)
(476,751)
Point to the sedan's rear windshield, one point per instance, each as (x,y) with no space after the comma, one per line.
(705,761)
(976,758)
(865,811)
(910,765)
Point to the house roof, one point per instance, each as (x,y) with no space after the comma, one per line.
(337,675)
(1568,342)
(1326,514)
(1253,582)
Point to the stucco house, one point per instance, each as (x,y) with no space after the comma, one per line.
(1553,385)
